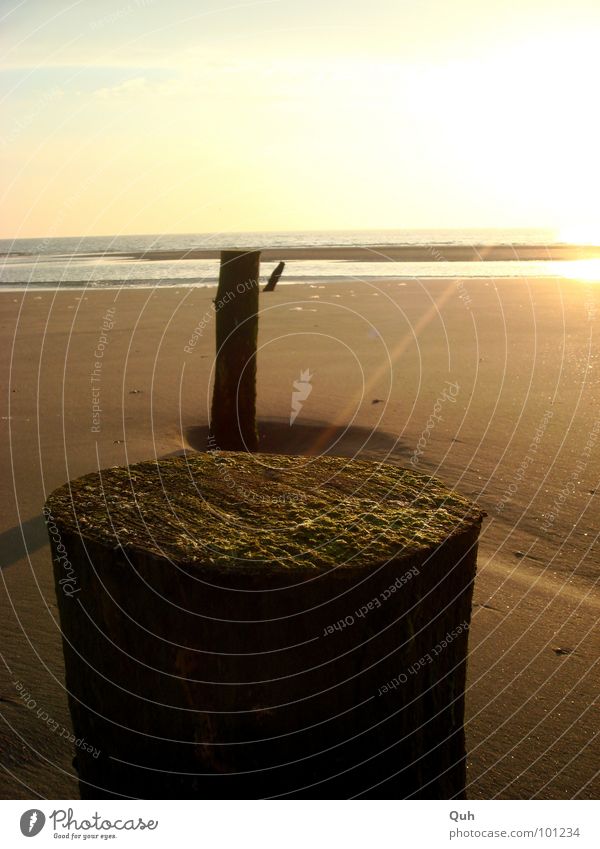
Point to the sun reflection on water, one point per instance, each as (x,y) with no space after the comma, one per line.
(580,269)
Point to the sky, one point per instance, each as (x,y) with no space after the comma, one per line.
(145,116)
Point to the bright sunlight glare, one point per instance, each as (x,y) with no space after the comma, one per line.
(580,234)
(587,270)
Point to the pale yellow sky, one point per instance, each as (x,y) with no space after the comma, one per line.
(130,116)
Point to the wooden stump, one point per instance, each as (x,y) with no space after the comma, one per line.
(274,278)
(233,412)
(241,625)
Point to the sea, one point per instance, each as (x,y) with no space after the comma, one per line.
(97,262)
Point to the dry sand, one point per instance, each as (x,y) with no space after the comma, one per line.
(525,357)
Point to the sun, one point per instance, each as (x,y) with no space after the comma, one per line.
(580,234)
(583,233)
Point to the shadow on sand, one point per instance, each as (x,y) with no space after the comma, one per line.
(312,438)
(16,543)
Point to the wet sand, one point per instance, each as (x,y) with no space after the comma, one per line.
(381,253)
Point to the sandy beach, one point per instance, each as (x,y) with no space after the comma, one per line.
(102,377)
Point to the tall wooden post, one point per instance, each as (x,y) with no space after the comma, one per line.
(233,414)
(244,625)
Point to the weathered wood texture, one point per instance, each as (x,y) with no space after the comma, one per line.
(260,625)
(274,278)
(233,411)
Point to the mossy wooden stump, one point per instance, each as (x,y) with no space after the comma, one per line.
(252,626)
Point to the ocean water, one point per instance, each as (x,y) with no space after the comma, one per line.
(97,262)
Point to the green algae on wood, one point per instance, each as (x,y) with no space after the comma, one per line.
(236,510)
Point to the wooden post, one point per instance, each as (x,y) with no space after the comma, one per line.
(249,626)
(233,412)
